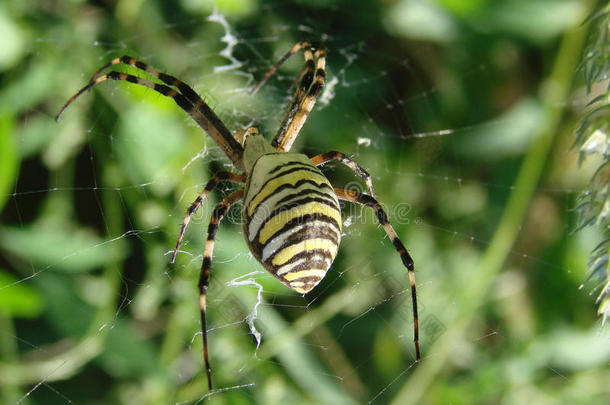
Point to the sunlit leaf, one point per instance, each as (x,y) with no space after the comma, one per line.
(8,158)
(18,299)
(64,249)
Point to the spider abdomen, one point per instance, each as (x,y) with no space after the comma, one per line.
(292,219)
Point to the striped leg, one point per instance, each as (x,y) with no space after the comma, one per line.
(204,278)
(186,90)
(367,200)
(186,98)
(298,46)
(218,177)
(304,98)
(334,155)
(303,101)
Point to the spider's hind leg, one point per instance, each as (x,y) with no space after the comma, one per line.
(204,277)
(407,261)
(343,158)
(218,177)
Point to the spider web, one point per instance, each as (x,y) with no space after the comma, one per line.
(121,310)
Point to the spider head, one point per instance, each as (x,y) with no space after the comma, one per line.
(255,146)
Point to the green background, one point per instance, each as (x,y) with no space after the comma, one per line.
(462,111)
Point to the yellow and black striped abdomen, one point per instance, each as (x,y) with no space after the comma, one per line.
(292,219)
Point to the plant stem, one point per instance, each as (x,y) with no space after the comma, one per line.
(553,99)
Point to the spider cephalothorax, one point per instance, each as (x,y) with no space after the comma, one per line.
(291,213)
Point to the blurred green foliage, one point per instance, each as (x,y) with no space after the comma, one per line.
(463,112)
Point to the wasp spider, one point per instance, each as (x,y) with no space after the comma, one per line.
(291,214)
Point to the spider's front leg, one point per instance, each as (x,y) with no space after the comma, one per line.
(182,94)
(311,85)
(304,99)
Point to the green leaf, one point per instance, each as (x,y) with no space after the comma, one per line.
(536,20)
(60,247)
(127,352)
(508,135)
(13,41)
(35,136)
(9,162)
(421,20)
(31,88)
(149,140)
(18,299)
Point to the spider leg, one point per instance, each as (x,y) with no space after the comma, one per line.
(186,90)
(334,155)
(218,177)
(274,68)
(382,218)
(304,99)
(204,278)
(297,79)
(186,98)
